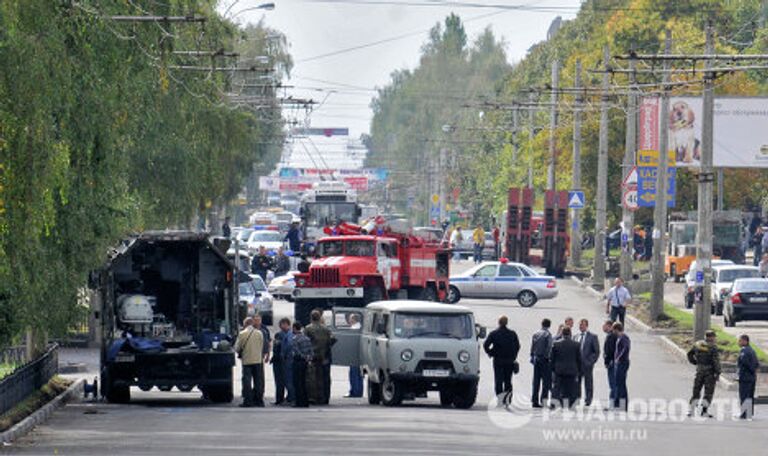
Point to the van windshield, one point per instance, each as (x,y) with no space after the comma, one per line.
(429,325)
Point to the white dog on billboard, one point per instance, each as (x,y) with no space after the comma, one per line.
(682,136)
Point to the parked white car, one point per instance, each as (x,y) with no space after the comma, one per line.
(722,281)
(282,287)
(690,281)
(502,280)
(269,239)
(407,348)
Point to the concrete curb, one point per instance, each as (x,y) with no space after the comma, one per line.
(41,415)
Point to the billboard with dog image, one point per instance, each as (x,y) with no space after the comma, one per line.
(740,131)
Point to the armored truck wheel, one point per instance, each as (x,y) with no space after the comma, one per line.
(220,394)
(118,394)
(466,394)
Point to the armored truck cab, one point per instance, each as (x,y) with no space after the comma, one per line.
(168,314)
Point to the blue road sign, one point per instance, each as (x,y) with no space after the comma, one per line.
(646,186)
(699,276)
(576,199)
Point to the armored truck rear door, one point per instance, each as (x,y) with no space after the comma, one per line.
(347,327)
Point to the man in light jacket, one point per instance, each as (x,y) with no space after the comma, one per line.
(249,347)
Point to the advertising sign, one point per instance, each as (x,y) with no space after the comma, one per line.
(740,130)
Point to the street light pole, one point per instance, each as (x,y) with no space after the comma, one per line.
(703,306)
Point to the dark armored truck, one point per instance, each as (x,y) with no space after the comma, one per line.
(168,316)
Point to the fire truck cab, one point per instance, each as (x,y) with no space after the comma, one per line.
(357,269)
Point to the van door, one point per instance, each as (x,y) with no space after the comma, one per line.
(347,327)
(368,348)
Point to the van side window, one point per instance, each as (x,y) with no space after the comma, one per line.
(371,324)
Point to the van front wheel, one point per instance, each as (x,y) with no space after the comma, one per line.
(391,392)
(465,396)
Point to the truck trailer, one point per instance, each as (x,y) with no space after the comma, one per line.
(168,316)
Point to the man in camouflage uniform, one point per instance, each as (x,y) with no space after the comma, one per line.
(319,372)
(706,356)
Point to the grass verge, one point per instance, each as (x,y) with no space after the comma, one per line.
(34,401)
(6,369)
(680,325)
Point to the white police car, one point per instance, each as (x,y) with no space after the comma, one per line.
(502,280)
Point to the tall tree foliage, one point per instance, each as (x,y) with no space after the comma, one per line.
(492,159)
(102,134)
(412,112)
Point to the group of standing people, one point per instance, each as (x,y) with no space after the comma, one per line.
(262,263)
(563,363)
(300,358)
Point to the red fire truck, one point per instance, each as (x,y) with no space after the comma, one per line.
(353,269)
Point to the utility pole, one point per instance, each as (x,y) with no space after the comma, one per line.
(598,269)
(703,306)
(531,135)
(660,207)
(551,184)
(630,147)
(576,172)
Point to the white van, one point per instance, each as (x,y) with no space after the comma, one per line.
(408,348)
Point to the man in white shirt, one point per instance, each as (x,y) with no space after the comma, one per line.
(617,299)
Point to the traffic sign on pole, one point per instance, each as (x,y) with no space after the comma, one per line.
(631,179)
(629,199)
(576,199)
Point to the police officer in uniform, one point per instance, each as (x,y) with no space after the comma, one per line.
(319,374)
(706,357)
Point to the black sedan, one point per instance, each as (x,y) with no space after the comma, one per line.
(746,300)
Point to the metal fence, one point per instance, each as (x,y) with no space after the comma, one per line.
(28,378)
(14,356)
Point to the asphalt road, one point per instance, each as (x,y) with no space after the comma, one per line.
(180,424)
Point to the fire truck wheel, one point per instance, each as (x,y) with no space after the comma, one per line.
(301,310)
(372,294)
(429,294)
(454,295)
(527,298)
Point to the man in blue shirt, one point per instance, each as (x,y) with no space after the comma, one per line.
(282,363)
(302,352)
(747,365)
(617,299)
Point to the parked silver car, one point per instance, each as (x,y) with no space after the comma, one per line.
(502,280)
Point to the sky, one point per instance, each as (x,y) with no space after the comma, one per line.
(344,83)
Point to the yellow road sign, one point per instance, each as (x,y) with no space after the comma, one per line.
(651,158)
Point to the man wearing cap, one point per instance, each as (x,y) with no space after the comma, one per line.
(706,357)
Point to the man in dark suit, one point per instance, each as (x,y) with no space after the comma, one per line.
(590,353)
(502,345)
(609,348)
(566,364)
